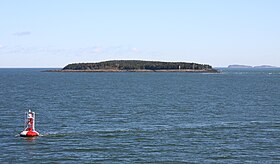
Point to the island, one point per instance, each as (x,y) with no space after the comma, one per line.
(265,66)
(137,66)
(239,66)
(247,66)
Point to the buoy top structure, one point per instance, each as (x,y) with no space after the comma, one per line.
(29,125)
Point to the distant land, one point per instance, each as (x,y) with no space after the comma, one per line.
(247,66)
(265,66)
(137,66)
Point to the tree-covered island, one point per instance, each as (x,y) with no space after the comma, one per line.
(137,66)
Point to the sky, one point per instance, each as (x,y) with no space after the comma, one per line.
(54,33)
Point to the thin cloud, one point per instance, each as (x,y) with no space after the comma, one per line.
(135,50)
(98,50)
(23,33)
(90,53)
(1,46)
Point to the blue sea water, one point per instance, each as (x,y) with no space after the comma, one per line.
(230,117)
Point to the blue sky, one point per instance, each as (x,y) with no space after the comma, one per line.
(53,33)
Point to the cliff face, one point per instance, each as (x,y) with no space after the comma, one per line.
(138,65)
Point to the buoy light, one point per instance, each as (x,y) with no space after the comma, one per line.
(29,125)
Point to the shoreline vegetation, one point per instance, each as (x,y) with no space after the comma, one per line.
(137,66)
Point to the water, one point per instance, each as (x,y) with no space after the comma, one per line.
(232,117)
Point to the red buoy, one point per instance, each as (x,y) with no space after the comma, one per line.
(29,125)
